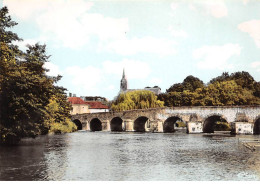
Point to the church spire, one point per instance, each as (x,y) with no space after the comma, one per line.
(123,83)
(123,73)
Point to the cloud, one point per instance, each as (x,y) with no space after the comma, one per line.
(26,9)
(214,8)
(256,65)
(245,2)
(69,23)
(110,87)
(174,6)
(216,57)
(252,27)
(54,70)
(93,80)
(155,81)
(134,69)
(146,44)
(177,33)
(84,79)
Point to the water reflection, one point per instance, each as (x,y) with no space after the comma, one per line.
(23,162)
(130,156)
(43,158)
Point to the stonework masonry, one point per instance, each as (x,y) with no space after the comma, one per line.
(242,119)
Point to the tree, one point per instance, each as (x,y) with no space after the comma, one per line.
(8,51)
(243,79)
(28,97)
(225,92)
(176,88)
(223,77)
(141,99)
(257,89)
(26,93)
(190,83)
(57,118)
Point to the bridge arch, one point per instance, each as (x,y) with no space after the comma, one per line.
(95,125)
(140,122)
(257,125)
(210,122)
(170,123)
(78,124)
(116,124)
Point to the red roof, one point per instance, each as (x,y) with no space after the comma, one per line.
(92,104)
(76,100)
(96,105)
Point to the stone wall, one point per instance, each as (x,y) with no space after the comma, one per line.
(157,117)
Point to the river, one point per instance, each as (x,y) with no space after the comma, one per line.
(99,156)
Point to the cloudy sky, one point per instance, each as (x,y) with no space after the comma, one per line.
(158,42)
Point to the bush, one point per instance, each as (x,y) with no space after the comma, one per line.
(66,127)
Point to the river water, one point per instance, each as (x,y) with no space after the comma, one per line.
(131,156)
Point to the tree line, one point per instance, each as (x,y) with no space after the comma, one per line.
(238,88)
(30,102)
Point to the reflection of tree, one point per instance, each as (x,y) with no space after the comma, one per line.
(23,162)
(34,159)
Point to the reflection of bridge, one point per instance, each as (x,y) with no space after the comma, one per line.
(243,119)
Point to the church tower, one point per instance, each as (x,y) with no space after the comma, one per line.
(123,83)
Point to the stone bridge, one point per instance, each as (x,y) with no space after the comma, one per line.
(242,119)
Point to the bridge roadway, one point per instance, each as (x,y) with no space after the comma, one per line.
(198,119)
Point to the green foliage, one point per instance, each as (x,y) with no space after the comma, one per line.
(257,89)
(140,99)
(190,83)
(222,126)
(30,103)
(236,89)
(243,79)
(66,126)
(57,117)
(180,124)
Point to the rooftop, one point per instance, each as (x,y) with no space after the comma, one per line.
(96,105)
(91,104)
(76,100)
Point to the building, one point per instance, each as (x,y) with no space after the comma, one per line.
(124,86)
(95,107)
(94,98)
(79,106)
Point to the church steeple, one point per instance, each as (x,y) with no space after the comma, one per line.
(123,73)
(123,83)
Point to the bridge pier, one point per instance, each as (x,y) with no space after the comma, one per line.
(123,126)
(129,125)
(155,126)
(242,128)
(85,126)
(105,125)
(194,127)
(151,126)
(159,126)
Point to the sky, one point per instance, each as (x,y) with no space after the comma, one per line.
(157,42)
